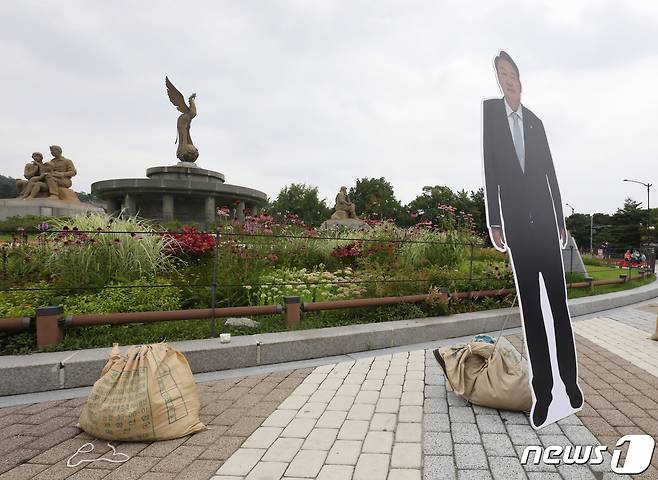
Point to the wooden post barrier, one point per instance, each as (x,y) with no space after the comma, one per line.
(50,326)
(292,310)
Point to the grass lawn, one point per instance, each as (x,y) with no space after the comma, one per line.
(601,272)
(605,273)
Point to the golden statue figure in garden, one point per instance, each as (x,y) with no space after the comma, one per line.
(31,172)
(58,174)
(344,209)
(51,179)
(186,151)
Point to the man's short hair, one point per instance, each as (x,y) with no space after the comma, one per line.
(56,147)
(503,55)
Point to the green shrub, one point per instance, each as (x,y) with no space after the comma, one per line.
(312,286)
(573,277)
(116,299)
(118,252)
(443,252)
(304,252)
(490,255)
(351,316)
(17,343)
(487,303)
(385,280)
(22,262)
(24,303)
(592,260)
(28,222)
(426,247)
(237,264)
(108,300)
(113,250)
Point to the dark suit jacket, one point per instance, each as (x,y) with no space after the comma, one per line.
(520,198)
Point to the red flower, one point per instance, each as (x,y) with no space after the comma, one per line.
(353,249)
(192,241)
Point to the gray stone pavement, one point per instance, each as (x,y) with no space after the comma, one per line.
(468,441)
(641,315)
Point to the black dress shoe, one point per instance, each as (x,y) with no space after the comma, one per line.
(575,396)
(540,413)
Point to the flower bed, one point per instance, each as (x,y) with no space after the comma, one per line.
(100,264)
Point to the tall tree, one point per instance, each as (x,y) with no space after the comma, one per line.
(7,187)
(629,224)
(578,226)
(625,229)
(301,200)
(374,197)
(477,209)
(447,209)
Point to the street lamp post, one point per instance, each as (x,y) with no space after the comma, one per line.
(573,210)
(591,227)
(648,185)
(591,233)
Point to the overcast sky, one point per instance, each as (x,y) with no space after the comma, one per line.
(325,92)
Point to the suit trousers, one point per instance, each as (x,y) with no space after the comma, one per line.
(534,249)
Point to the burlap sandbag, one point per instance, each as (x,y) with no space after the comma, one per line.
(148,394)
(497,382)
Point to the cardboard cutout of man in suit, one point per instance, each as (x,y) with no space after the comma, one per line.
(524,215)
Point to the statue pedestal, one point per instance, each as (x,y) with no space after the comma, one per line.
(45,207)
(183,192)
(571,258)
(346,224)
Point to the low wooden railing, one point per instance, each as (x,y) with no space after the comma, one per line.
(51,322)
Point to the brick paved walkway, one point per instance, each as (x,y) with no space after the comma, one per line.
(37,439)
(627,342)
(620,397)
(389,417)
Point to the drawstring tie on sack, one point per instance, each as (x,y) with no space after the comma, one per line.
(88,448)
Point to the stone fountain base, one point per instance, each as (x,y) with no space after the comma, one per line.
(182,192)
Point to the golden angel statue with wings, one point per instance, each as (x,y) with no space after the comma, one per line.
(186,151)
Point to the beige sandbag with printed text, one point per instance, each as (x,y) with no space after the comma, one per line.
(148,394)
(498,381)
